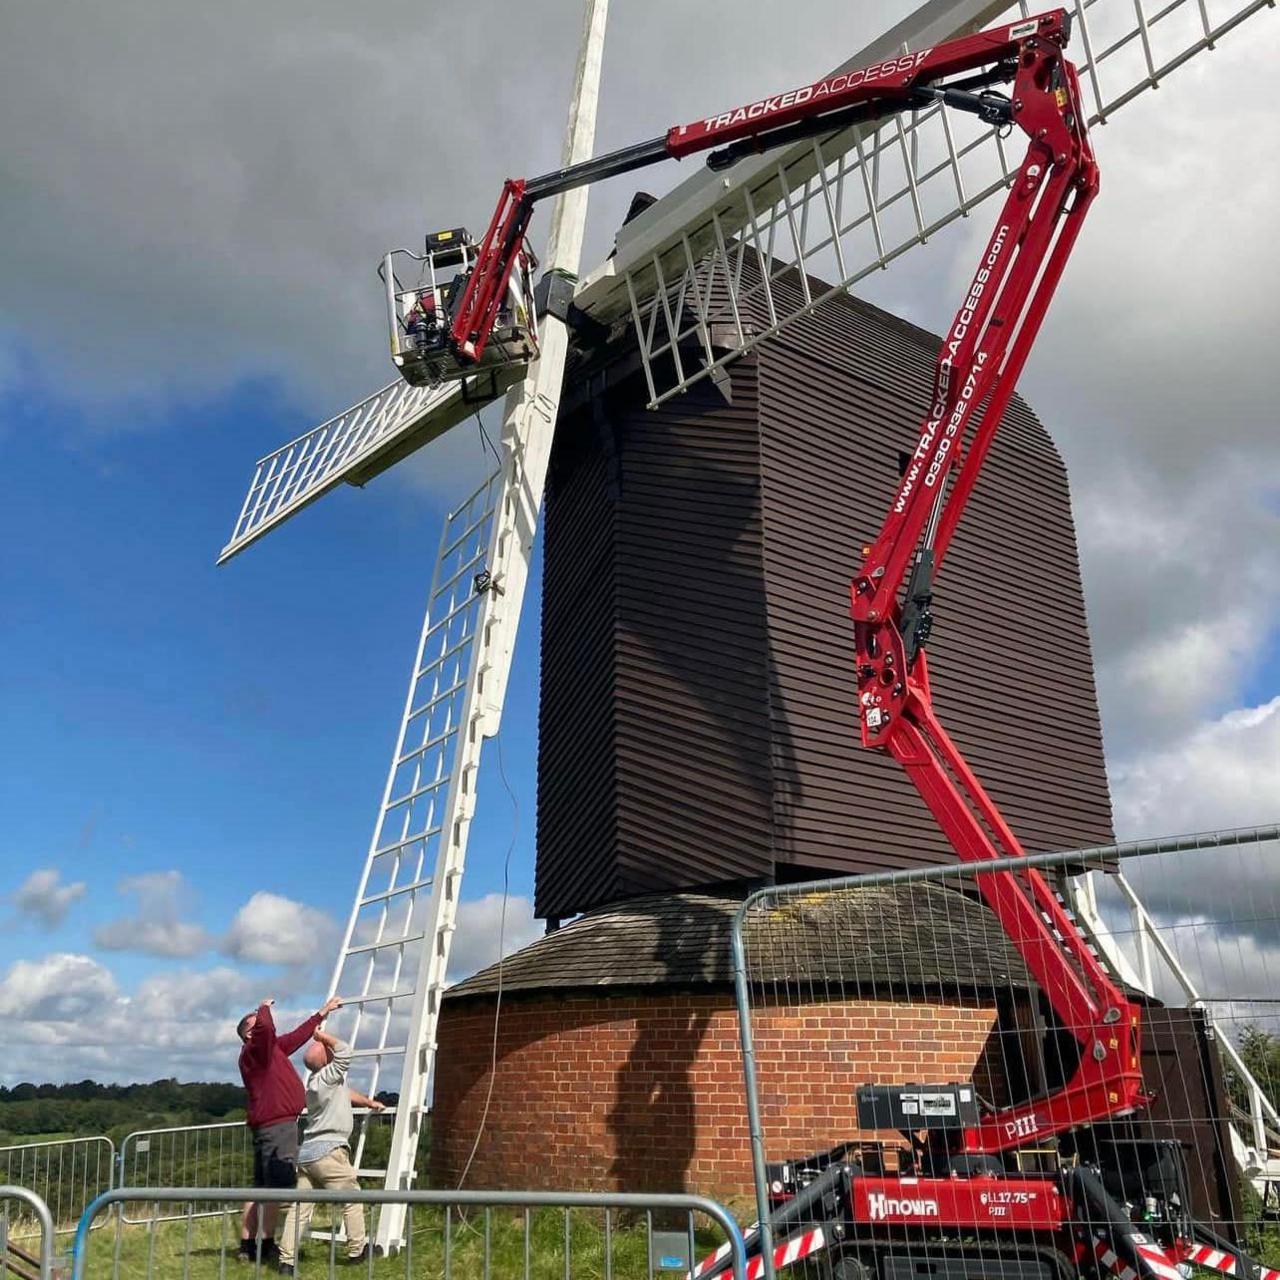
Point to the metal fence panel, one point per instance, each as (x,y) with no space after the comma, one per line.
(202,1155)
(30,1217)
(909,978)
(65,1174)
(216,1155)
(483,1234)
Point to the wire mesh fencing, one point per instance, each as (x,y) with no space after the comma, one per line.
(942,1063)
(200,1155)
(215,1155)
(480,1234)
(66,1174)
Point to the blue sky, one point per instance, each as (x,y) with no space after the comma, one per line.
(186,281)
(232,723)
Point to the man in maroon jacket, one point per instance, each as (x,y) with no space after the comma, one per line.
(276,1100)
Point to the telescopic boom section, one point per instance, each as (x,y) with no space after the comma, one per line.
(982,355)
(866,93)
(978,367)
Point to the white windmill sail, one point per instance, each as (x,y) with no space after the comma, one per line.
(847,205)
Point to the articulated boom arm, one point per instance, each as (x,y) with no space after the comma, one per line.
(982,355)
(867,93)
(978,367)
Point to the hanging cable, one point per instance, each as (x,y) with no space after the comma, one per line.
(485,443)
(502,928)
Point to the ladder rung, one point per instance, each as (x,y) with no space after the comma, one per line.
(396,892)
(466,567)
(370,1173)
(409,796)
(389,942)
(374,997)
(467,531)
(467,601)
(378,1053)
(435,701)
(408,840)
(442,657)
(426,746)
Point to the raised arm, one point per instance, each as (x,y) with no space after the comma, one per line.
(335,1072)
(262,1035)
(292,1041)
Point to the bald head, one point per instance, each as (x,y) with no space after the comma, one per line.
(317,1056)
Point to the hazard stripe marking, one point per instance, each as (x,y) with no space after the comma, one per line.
(1204,1255)
(793,1250)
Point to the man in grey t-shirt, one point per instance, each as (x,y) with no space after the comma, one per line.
(324,1159)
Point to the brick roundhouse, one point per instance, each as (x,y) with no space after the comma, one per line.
(618,1063)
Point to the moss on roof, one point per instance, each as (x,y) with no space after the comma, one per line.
(873,941)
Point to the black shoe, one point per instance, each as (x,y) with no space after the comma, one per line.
(353,1259)
(270,1250)
(285,1268)
(246,1252)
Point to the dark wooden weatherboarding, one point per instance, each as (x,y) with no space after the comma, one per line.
(697,721)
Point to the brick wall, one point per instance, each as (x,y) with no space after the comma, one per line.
(643,1092)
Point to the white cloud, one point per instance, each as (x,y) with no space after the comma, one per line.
(1183,582)
(62,987)
(1224,773)
(272,929)
(156,928)
(235,231)
(67,1017)
(43,899)
(481,928)
(1217,908)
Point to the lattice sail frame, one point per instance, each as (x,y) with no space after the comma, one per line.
(352,447)
(848,205)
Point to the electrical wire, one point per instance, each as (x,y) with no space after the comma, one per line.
(485,442)
(502,927)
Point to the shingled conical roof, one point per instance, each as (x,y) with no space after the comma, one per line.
(873,941)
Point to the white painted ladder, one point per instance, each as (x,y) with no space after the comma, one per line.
(395,954)
(396,908)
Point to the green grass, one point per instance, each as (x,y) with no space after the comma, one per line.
(204,1248)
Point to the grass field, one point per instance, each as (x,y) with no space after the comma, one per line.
(204,1248)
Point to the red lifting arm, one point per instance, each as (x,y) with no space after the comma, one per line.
(866,93)
(982,355)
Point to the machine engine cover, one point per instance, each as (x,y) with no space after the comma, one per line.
(910,1107)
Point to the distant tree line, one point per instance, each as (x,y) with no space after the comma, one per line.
(86,1108)
(1260,1051)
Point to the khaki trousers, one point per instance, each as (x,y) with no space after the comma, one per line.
(330,1171)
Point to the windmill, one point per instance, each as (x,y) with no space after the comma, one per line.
(855,199)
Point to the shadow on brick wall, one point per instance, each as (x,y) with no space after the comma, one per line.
(654,1119)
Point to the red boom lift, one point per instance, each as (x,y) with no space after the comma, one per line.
(1116,1206)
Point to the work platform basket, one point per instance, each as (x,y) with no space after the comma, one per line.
(423,293)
